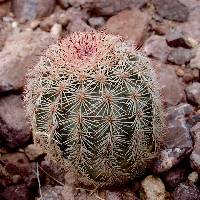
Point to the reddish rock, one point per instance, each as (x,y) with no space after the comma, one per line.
(172,10)
(29,9)
(16,192)
(126,24)
(107,7)
(156,47)
(20,51)
(167,79)
(33,152)
(14,128)
(180,56)
(185,191)
(193,92)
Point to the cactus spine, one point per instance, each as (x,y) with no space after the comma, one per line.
(95,107)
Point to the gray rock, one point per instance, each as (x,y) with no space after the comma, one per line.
(172,10)
(178,142)
(195,155)
(21,51)
(107,7)
(185,191)
(156,47)
(193,92)
(52,193)
(32,9)
(64,3)
(14,129)
(126,24)
(33,152)
(180,56)
(194,63)
(177,39)
(96,22)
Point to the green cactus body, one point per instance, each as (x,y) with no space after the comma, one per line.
(95,107)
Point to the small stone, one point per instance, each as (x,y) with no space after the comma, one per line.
(180,72)
(193,92)
(180,56)
(177,39)
(56,30)
(174,176)
(172,10)
(63,19)
(48,22)
(33,152)
(64,3)
(193,177)
(188,76)
(186,191)
(29,9)
(96,22)
(34,24)
(16,178)
(156,47)
(113,195)
(153,188)
(14,24)
(126,24)
(78,25)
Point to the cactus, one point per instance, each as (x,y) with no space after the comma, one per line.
(95,107)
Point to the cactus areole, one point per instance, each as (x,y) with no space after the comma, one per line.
(95,107)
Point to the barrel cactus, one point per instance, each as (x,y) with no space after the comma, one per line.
(95,107)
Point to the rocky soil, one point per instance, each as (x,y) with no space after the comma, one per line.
(168,31)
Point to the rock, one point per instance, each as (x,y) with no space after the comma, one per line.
(156,47)
(96,22)
(177,39)
(113,195)
(185,191)
(4,8)
(78,25)
(153,188)
(178,142)
(52,193)
(194,63)
(73,13)
(29,9)
(195,155)
(16,192)
(64,3)
(172,10)
(14,129)
(107,7)
(180,56)
(126,24)
(33,152)
(20,51)
(34,24)
(48,22)
(53,170)
(56,31)
(174,176)
(193,177)
(167,79)
(191,4)
(18,164)
(193,92)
